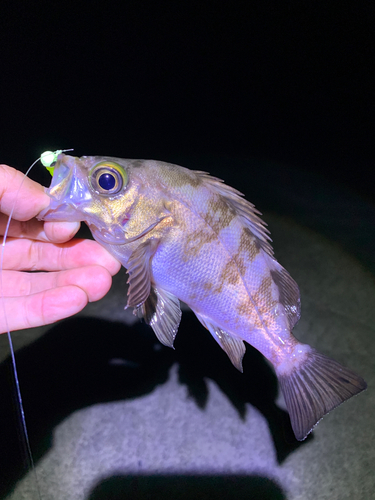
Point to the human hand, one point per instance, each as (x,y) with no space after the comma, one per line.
(79,271)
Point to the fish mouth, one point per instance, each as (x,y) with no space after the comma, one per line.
(68,193)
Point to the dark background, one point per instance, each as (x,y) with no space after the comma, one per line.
(289,82)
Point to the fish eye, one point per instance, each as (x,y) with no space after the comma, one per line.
(106,181)
(108,178)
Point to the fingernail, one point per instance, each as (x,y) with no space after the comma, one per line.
(69,227)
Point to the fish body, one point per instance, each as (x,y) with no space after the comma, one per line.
(184,235)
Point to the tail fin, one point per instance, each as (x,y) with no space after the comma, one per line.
(316,387)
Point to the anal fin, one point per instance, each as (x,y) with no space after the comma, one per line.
(235,348)
(314,388)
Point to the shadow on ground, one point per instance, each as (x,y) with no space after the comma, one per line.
(186,487)
(85,361)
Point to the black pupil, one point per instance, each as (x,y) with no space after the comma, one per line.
(107,181)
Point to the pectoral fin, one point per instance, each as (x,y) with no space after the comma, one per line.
(235,348)
(162,312)
(139,270)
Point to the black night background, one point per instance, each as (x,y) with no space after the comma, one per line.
(288,82)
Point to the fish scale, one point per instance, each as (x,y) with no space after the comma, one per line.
(184,235)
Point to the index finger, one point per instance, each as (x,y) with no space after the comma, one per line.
(31,198)
(35,255)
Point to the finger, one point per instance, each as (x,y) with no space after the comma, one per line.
(25,254)
(60,232)
(32,229)
(57,232)
(42,308)
(30,197)
(94,280)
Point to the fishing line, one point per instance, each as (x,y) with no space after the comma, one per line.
(48,159)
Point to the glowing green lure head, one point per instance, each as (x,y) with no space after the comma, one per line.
(49,159)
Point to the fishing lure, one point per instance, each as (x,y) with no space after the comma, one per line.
(49,158)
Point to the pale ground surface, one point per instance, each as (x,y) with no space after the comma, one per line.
(112,414)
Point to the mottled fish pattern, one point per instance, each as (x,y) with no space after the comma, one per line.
(184,235)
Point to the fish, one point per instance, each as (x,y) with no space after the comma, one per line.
(184,235)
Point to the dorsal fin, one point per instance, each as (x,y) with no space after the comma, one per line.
(289,293)
(244,209)
(288,288)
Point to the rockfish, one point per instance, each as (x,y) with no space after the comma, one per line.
(184,235)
